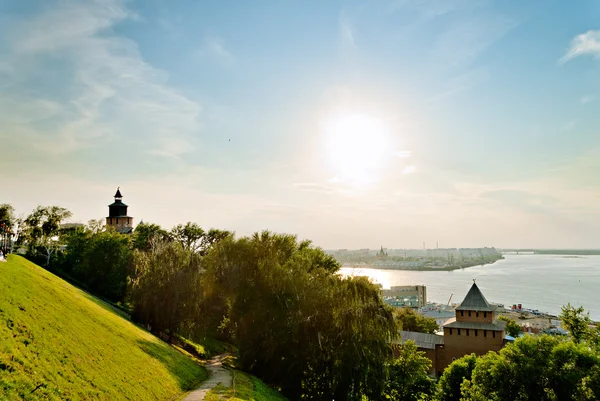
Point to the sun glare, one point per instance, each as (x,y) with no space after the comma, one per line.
(356,147)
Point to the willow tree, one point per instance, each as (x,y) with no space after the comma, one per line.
(297,324)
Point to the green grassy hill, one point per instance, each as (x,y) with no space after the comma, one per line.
(59,343)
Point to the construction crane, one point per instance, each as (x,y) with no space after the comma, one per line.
(450,299)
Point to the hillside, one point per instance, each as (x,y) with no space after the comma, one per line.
(58,342)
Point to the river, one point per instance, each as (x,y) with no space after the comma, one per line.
(544,282)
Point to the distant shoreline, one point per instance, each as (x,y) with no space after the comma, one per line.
(422,268)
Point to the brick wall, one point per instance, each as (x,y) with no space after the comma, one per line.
(479,317)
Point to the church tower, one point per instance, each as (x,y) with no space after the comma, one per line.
(117,215)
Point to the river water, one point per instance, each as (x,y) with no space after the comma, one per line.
(544,282)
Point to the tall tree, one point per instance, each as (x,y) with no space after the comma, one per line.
(297,325)
(147,236)
(7,215)
(189,235)
(42,228)
(167,288)
(576,321)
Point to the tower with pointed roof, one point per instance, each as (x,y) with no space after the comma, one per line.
(117,215)
(475,330)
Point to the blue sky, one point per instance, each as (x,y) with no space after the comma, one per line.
(352,123)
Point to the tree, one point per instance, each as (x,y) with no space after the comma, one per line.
(102,261)
(449,385)
(167,288)
(576,321)
(42,227)
(409,320)
(96,226)
(189,235)
(299,326)
(408,375)
(536,368)
(7,222)
(512,328)
(7,215)
(147,236)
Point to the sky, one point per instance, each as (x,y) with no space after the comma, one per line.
(356,124)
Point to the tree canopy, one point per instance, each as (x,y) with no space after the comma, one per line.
(409,320)
(297,325)
(536,368)
(512,328)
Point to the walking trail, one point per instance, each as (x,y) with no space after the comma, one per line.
(218,374)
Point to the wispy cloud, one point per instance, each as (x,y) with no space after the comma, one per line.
(216,46)
(346,32)
(108,93)
(314,187)
(584,44)
(470,36)
(588,99)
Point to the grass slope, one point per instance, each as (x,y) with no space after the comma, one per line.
(60,343)
(246,388)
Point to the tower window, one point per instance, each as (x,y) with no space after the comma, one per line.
(469,313)
(475,332)
(484,314)
(459,332)
(485,333)
(450,331)
(462,312)
(494,334)
(467,331)
(476,314)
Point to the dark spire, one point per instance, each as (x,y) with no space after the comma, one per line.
(475,301)
(118,194)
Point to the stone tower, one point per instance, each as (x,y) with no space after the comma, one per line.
(117,215)
(475,330)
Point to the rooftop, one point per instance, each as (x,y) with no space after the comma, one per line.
(422,340)
(475,301)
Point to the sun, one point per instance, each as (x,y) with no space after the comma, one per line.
(356,146)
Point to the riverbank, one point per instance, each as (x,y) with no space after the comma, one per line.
(542,282)
(446,268)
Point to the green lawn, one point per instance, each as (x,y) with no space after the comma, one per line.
(246,388)
(60,343)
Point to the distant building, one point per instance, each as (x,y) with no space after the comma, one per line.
(414,296)
(117,215)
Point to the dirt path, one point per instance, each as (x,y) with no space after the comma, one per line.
(218,374)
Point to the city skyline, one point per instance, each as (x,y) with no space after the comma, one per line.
(351,124)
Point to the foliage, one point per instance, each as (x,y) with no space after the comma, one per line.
(147,235)
(449,385)
(100,260)
(536,368)
(297,325)
(166,287)
(409,320)
(576,321)
(512,328)
(74,346)
(408,375)
(7,215)
(42,228)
